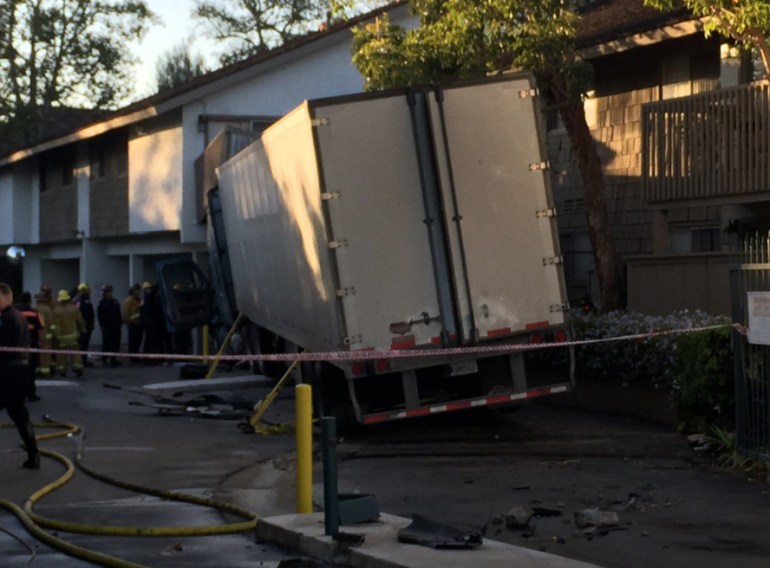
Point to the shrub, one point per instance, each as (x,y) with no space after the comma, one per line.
(696,368)
(704,383)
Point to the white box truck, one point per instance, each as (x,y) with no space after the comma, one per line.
(408,220)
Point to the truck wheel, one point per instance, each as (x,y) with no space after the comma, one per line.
(330,394)
(260,341)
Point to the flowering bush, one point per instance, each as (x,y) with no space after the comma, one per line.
(695,367)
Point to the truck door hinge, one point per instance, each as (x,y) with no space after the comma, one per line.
(539,166)
(338,244)
(342,292)
(546,213)
(548,261)
(560,308)
(528,93)
(352,339)
(330,196)
(320,122)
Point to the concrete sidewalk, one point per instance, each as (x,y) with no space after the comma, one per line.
(304,534)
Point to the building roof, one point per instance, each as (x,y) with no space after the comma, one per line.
(603,21)
(608,20)
(211,77)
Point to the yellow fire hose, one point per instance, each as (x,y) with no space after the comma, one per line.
(33,522)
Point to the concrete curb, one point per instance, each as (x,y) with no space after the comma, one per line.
(305,534)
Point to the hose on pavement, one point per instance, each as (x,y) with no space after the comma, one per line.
(34,523)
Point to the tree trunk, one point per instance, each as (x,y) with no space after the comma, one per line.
(584,147)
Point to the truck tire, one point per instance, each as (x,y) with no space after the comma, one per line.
(260,341)
(330,394)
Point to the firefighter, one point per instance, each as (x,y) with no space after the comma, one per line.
(83,302)
(35,329)
(70,325)
(44,306)
(132,317)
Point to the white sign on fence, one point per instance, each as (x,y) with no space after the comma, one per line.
(759,318)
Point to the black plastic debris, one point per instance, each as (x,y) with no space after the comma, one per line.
(429,533)
(545,512)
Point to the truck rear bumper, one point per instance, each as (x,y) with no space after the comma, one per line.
(490,400)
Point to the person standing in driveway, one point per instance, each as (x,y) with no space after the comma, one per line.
(83,302)
(14,373)
(154,323)
(35,329)
(132,317)
(108,312)
(44,306)
(69,327)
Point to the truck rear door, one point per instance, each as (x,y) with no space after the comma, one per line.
(371,180)
(499,210)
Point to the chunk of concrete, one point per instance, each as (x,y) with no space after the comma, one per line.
(518,518)
(596,518)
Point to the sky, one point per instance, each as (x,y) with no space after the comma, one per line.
(176,26)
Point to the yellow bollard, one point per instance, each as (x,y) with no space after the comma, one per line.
(303,400)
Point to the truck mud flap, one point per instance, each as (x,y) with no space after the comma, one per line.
(489,400)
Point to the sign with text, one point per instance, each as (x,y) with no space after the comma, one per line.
(759,318)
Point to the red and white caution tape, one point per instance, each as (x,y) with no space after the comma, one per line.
(369,355)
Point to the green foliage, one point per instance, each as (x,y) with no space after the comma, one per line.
(64,53)
(178,66)
(697,367)
(745,21)
(705,390)
(470,38)
(728,456)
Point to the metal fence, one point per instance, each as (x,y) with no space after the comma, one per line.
(750,272)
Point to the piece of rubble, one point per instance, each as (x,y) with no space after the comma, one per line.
(697,439)
(596,518)
(545,512)
(518,518)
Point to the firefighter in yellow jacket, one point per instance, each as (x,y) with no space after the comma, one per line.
(44,306)
(69,326)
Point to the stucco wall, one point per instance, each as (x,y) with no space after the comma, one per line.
(6,207)
(155,181)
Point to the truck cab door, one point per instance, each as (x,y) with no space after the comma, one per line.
(186,294)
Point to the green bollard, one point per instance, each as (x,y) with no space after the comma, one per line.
(331,497)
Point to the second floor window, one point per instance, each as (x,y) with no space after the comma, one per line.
(67,171)
(98,165)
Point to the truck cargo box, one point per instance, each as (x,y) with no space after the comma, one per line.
(397,220)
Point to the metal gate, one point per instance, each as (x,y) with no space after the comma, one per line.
(750,272)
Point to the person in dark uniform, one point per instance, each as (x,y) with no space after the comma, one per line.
(35,329)
(154,323)
(83,302)
(110,318)
(14,373)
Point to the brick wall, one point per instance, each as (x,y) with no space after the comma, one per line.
(58,200)
(109,189)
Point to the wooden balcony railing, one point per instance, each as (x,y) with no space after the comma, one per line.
(711,145)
